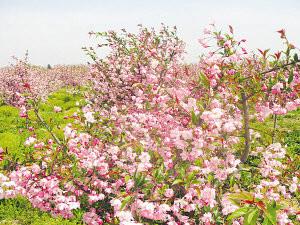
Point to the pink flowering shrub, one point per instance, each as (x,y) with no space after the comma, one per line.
(40,80)
(158,141)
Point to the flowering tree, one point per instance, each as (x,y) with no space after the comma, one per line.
(42,81)
(157,141)
(270,82)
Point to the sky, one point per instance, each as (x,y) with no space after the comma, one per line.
(54,31)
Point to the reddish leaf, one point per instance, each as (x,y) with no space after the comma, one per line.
(261,205)
(277,55)
(282,33)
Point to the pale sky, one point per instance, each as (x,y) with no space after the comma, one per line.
(53,31)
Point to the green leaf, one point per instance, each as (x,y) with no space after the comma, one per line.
(291,77)
(240,196)
(139,180)
(177,181)
(236,198)
(296,59)
(270,213)
(232,181)
(127,178)
(204,80)
(195,182)
(195,118)
(190,177)
(125,201)
(238,213)
(148,105)
(210,178)
(266,221)
(251,217)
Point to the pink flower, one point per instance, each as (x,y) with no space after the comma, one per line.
(57,109)
(231,72)
(39,145)
(229,127)
(290,106)
(144,157)
(29,141)
(191,105)
(169,193)
(227,44)
(69,132)
(125,216)
(91,218)
(264,87)
(129,185)
(276,89)
(293,187)
(207,30)
(1,154)
(207,218)
(215,104)
(203,43)
(228,206)
(278,110)
(283,218)
(116,204)
(95,198)
(89,116)
(208,195)
(215,70)
(264,112)
(35,168)
(23,112)
(213,82)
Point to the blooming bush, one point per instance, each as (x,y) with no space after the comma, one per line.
(41,81)
(159,141)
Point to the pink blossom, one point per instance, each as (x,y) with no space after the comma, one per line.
(57,109)
(227,44)
(89,116)
(283,219)
(290,106)
(169,193)
(29,141)
(23,112)
(207,218)
(91,218)
(276,89)
(208,196)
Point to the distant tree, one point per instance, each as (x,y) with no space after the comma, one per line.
(49,67)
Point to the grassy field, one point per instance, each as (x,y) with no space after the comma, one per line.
(13,134)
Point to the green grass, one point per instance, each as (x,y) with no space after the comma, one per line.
(13,132)
(19,211)
(287,131)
